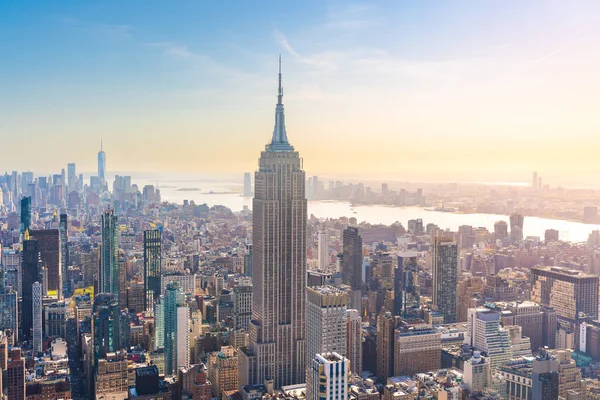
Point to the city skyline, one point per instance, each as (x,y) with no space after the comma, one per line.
(523,76)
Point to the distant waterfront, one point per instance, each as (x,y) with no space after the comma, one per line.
(227,193)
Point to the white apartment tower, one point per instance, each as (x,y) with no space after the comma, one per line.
(326,323)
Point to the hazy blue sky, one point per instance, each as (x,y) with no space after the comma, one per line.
(405,89)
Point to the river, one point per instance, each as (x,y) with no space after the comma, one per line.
(225,192)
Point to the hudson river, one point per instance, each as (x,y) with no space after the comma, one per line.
(226,193)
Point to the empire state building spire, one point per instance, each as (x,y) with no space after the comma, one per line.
(280,140)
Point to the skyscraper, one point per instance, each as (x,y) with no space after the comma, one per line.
(277,330)
(25,214)
(247,184)
(15,376)
(516,227)
(102,164)
(71,177)
(63,230)
(445,277)
(329,377)
(325,326)
(323,243)
(534,183)
(109,264)
(352,261)
(176,327)
(386,326)
(569,292)
(354,340)
(152,267)
(31,274)
(50,253)
(9,308)
(106,325)
(406,286)
(37,317)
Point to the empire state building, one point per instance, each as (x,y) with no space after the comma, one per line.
(276,349)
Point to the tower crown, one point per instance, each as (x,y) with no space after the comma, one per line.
(279,142)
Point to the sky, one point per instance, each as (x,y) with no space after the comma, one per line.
(403,90)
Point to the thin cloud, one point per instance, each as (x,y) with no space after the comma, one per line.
(114,31)
(558,51)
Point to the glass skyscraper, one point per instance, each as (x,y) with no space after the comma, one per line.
(30,274)
(109,264)
(25,214)
(102,164)
(176,327)
(445,277)
(64,253)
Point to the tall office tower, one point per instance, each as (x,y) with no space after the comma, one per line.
(176,327)
(159,323)
(25,214)
(551,235)
(544,377)
(407,298)
(277,329)
(107,325)
(329,377)
(352,260)
(569,373)
(9,309)
(323,243)
(63,229)
(37,317)
(485,334)
(109,263)
(500,230)
(417,348)
(242,306)
(248,260)
(325,325)
(569,292)
(71,177)
(152,267)
(478,374)
(516,227)
(31,274)
(14,377)
(386,326)
(445,277)
(354,340)
(534,183)
(49,247)
(247,184)
(102,164)
(468,295)
(529,316)
(223,371)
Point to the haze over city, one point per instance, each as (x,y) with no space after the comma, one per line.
(407,90)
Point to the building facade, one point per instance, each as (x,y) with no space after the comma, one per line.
(445,277)
(152,267)
(277,330)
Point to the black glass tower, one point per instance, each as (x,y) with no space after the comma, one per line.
(30,274)
(152,267)
(25,214)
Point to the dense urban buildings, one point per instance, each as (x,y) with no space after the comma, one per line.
(110,291)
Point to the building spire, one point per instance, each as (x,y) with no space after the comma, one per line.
(280,140)
(101,144)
